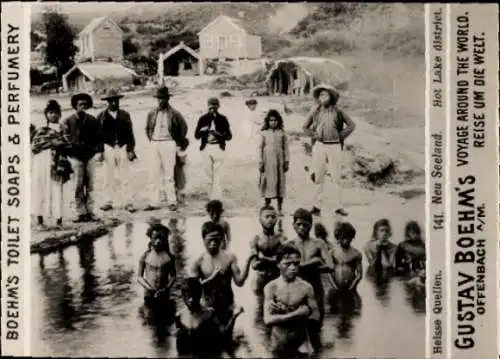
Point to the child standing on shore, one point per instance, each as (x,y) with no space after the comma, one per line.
(274,160)
(51,168)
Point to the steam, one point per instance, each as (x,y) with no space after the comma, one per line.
(287,17)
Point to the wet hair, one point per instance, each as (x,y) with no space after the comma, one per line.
(413,226)
(266,208)
(320,231)
(164,235)
(304,214)
(344,230)
(384,222)
(214,206)
(285,250)
(209,227)
(275,114)
(191,287)
(52,106)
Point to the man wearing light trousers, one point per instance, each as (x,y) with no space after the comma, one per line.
(119,144)
(166,130)
(213,131)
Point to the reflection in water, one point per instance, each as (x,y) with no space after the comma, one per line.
(345,307)
(415,295)
(381,281)
(57,289)
(95,283)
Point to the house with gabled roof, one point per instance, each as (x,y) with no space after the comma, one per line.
(228,38)
(101,39)
(180,60)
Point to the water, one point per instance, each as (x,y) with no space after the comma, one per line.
(86,302)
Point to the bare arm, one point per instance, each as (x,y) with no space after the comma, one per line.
(140,273)
(197,273)
(358,271)
(271,318)
(227,229)
(370,256)
(239,276)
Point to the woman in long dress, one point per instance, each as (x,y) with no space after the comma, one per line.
(274,159)
(51,168)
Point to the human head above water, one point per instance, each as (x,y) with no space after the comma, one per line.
(382,229)
(268,216)
(413,231)
(212,234)
(158,235)
(302,222)
(288,259)
(214,208)
(344,233)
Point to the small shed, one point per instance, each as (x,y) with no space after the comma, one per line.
(94,76)
(180,60)
(298,75)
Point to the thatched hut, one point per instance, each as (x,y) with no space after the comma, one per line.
(298,75)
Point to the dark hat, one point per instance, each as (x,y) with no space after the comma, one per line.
(111,94)
(162,92)
(251,101)
(332,90)
(52,106)
(81,96)
(213,101)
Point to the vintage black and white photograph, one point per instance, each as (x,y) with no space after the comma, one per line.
(235,180)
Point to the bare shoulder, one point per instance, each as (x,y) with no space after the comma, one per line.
(304,286)
(356,253)
(224,224)
(270,288)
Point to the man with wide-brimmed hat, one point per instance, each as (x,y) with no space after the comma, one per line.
(166,130)
(83,132)
(213,131)
(119,146)
(328,127)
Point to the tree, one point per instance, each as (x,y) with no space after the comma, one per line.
(61,50)
(129,46)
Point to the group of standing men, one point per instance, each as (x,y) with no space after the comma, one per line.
(109,138)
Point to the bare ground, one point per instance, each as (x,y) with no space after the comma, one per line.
(384,132)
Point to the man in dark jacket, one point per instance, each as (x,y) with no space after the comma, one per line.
(214,131)
(166,130)
(83,132)
(119,145)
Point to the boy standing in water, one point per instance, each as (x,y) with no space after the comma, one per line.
(289,305)
(157,268)
(315,260)
(410,254)
(264,247)
(215,209)
(216,269)
(347,261)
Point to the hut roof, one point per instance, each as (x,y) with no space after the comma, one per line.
(95,23)
(181,46)
(322,70)
(102,70)
(241,24)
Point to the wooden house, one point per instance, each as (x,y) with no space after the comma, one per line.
(180,60)
(227,38)
(101,39)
